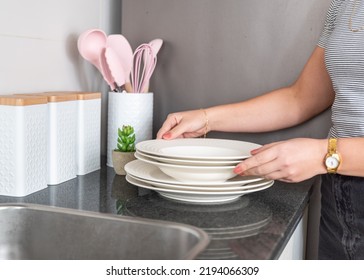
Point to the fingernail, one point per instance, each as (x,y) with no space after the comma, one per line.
(238,169)
(167,135)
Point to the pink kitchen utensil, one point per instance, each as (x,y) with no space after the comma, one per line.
(123,50)
(156,45)
(90,44)
(144,62)
(116,68)
(105,70)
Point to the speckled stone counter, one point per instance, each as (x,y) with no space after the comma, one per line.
(257,226)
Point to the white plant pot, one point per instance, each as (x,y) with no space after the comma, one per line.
(135,109)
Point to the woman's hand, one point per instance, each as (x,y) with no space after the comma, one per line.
(185,124)
(290,161)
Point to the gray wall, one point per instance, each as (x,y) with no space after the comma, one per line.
(226,51)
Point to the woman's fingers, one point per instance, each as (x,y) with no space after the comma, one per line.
(260,163)
(171,121)
(184,124)
(290,161)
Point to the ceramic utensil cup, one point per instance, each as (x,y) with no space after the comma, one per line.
(135,109)
(23,145)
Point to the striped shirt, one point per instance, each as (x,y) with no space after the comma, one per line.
(344,59)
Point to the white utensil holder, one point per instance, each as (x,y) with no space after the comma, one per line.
(62,135)
(135,109)
(23,145)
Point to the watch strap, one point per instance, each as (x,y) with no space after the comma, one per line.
(332,146)
(332,152)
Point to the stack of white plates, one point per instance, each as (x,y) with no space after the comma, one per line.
(194,170)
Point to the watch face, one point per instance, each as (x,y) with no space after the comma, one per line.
(332,162)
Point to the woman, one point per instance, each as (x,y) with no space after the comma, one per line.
(333,76)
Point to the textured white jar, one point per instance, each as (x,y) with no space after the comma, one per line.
(23,145)
(88,147)
(62,135)
(88,141)
(135,109)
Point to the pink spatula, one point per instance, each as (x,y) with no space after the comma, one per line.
(123,50)
(116,68)
(106,72)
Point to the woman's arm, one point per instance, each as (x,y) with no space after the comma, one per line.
(299,159)
(311,94)
(351,151)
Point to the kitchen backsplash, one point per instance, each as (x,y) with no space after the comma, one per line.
(38,41)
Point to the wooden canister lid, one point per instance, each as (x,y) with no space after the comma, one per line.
(22,100)
(88,95)
(52,97)
(59,96)
(81,95)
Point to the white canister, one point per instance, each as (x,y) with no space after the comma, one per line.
(62,135)
(88,143)
(23,145)
(135,109)
(88,148)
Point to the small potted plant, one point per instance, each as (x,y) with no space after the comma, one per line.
(125,149)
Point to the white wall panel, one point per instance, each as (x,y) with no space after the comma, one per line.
(47,19)
(38,40)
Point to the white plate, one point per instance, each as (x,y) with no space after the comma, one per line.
(190,173)
(150,172)
(198,148)
(196,196)
(188,161)
(260,183)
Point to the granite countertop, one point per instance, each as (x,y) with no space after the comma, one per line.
(257,226)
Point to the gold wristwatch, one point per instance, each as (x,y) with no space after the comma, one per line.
(332,159)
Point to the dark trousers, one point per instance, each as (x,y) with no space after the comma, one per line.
(342,218)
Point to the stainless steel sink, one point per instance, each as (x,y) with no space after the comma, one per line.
(30,231)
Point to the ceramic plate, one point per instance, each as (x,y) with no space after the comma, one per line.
(188,161)
(150,172)
(198,148)
(190,173)
(260,183)
(196,196)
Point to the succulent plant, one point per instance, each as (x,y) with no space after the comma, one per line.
(126,139)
